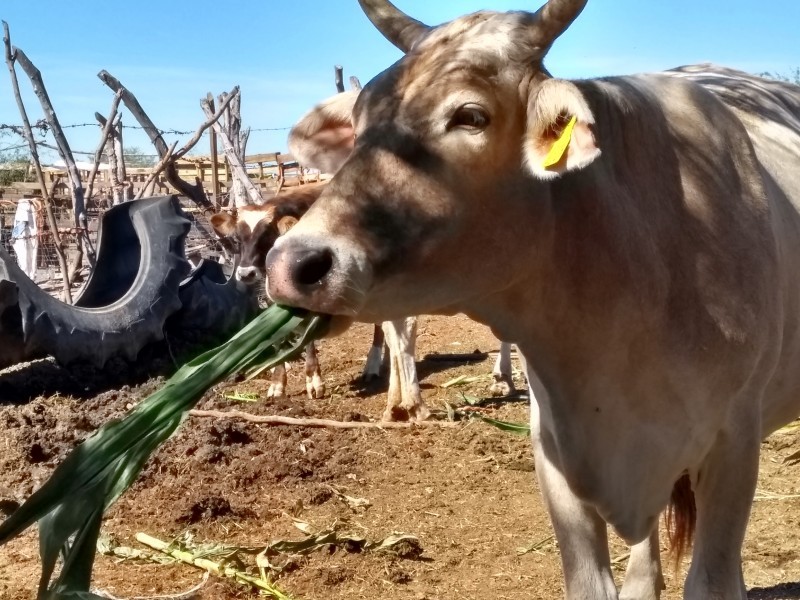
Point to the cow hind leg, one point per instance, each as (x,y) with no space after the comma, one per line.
(503,384)
(405,401)
(372,368)
(277,387)
(315,387)
(723,492)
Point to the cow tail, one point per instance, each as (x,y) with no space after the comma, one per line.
(681,518)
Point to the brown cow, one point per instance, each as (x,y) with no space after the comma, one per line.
(637,237)
(255,228)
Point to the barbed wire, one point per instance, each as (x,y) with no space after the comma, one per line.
(43,128)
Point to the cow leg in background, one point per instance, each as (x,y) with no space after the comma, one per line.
(372,369)
(277,387)
(405,401)
(643,577)
(502,373)
(580,531)
(315,387)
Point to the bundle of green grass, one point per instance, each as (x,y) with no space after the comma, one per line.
(70,505)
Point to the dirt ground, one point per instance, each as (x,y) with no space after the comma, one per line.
(468,493)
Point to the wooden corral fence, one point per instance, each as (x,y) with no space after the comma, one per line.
(270,171)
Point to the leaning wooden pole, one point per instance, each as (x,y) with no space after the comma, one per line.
(212,139)
(229,146)
(78,204)
(46,198)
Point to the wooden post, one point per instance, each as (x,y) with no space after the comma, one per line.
(78,205)
(126,191)
(338,75)
(48,206)
(214,159)
(104,135)
(234,144)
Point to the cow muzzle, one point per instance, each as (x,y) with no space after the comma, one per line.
(247,274)
(316,275)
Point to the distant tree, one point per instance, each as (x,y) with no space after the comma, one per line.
(792,77)
(136,157)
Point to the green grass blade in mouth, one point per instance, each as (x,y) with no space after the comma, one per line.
(100,469)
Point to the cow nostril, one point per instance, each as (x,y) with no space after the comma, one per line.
(313,267)
(246,274)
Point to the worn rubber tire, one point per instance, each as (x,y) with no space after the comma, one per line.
(109,322)
(214,306)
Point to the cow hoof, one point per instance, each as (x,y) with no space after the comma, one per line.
(416,413)
(315,387)
(276,391)
(501,387)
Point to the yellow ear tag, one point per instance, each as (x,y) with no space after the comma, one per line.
(558,148)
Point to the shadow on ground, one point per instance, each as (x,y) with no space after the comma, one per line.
(783,591)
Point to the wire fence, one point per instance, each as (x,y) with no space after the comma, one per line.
(42,129)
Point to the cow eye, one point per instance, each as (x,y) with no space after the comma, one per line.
(469,117)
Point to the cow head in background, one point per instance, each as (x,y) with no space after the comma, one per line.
(256,227)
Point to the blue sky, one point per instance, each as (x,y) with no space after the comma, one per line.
(170,54)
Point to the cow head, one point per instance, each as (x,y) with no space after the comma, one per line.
(443,164)
(255,228)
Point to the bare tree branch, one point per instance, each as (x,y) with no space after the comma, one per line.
(210,120)
(78,206)
(278,420)
(195,192)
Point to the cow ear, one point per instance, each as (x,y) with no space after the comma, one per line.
(559,135)
(286,223)
(324,137)
(223,223)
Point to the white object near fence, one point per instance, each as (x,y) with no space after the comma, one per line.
(24,239)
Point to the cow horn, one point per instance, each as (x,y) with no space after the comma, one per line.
(553,18)
(394,24)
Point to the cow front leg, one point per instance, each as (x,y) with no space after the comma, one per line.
(405,400)
(723,490)
(502,373)
(372,369)
(581,532)
(644,579)
(315,387)
(277,387)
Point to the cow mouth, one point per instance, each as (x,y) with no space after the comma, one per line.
(315,274)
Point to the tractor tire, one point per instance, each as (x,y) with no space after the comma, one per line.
(214,306)
(125,303)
